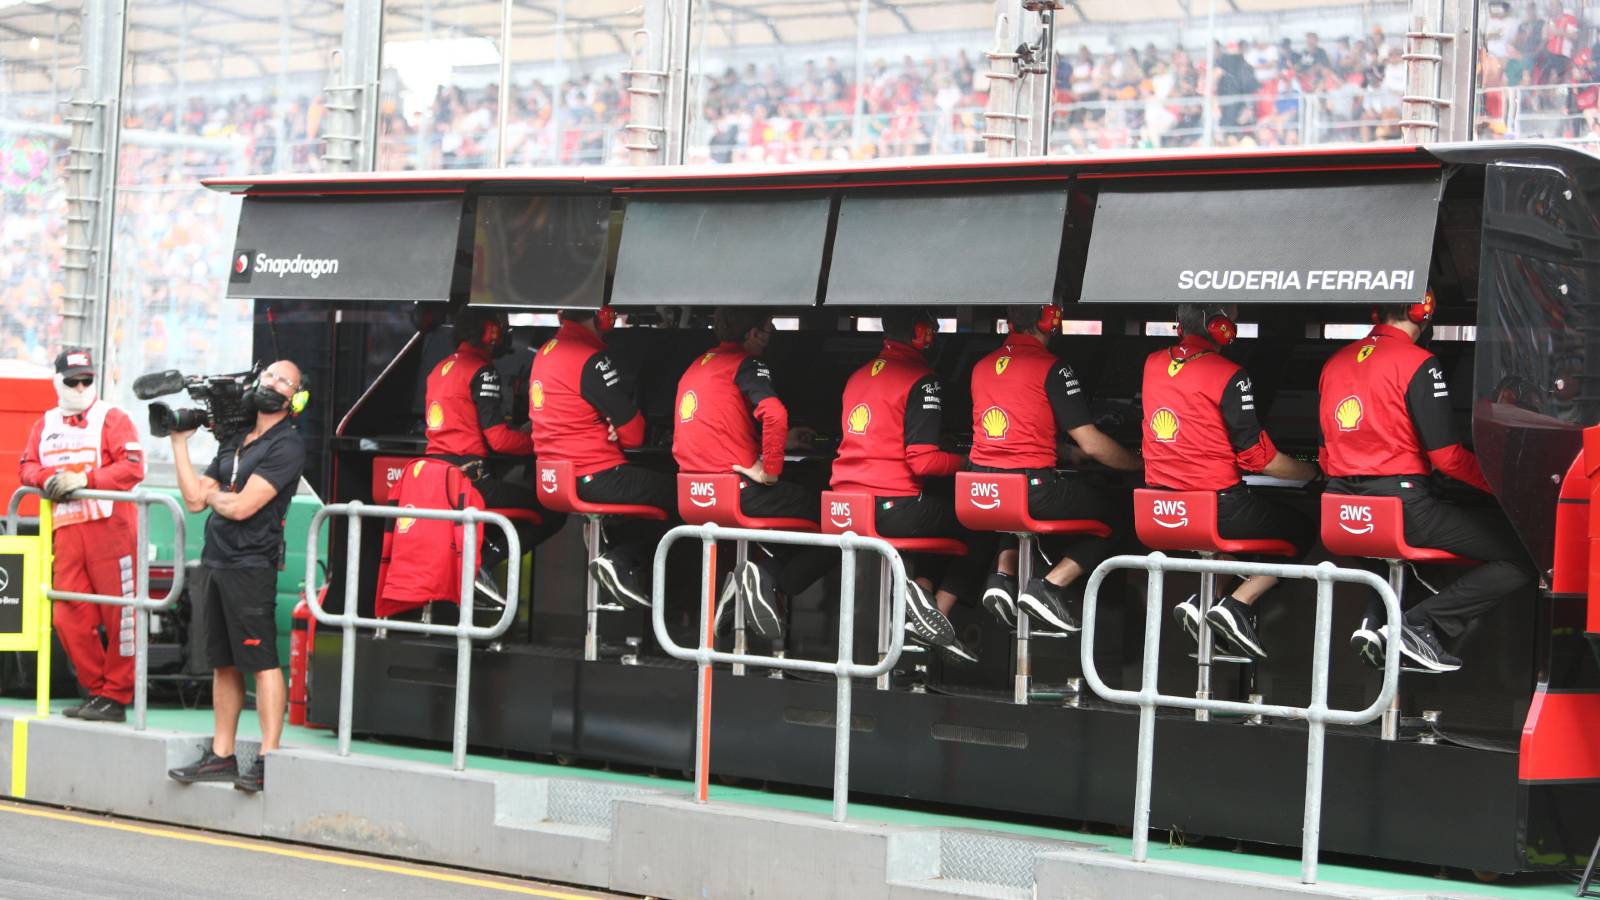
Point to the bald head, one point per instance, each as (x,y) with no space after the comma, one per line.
(282,376)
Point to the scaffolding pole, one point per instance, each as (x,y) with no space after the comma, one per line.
(95,123)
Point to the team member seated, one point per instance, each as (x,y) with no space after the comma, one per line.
(1201,434)
(1384,412)
(466,413)
(722,396)
(1023,397)
(892,415)
(582,411)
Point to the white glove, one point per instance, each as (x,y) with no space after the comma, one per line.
(60,485)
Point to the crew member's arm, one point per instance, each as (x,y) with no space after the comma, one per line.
(494,412)
(924,420)
(602,386)
(754,381)
(30,471)
(194,488)
(278,471)
(119,443)
(1252,447)
(1072,416)
(1428,402)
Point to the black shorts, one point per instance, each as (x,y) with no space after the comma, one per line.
(241,609)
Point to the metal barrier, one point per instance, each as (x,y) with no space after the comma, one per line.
(141,600)
(844,669)
(1147,698)
(464,630)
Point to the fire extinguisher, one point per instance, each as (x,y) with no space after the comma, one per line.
(302,631)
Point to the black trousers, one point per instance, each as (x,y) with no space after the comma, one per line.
(1057,495)
(1244,515)
(1481,533)
(798,567)
(630,541)
(932,513)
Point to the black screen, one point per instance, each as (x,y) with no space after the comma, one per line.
(541,251)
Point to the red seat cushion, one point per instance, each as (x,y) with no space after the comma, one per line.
(706,498)
(558,490)
(1374,527)
(991,501)
(1187,520)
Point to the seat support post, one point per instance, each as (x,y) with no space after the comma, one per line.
(1390,723)
(1202,676)
(1024,677)
(884,603)
(591,590)
(741,555)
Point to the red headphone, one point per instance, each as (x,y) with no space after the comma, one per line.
(605,318)
(1417,313)
(1220,327)
(923,333)
(1049,318)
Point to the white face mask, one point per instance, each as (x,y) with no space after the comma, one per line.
(72,400)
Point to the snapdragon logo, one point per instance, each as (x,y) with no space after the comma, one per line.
(297,265)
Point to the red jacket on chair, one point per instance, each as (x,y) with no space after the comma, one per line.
(422,557)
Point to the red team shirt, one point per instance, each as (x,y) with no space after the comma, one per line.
(1023,397)
(720,398)
(1200,426)
(890,426)
(575,396)
(466,409)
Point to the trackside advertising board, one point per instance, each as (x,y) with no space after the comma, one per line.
(21,593)
(1337,243)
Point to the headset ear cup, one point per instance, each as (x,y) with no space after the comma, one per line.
(1377,316)
(1220,328)
(1049,318)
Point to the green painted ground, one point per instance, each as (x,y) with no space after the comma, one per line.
(199,722)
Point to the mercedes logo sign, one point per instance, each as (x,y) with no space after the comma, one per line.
(5,578)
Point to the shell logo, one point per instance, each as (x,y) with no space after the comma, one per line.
(404,523)
(1364,352)
(1174,367)
(548,346)
(877,366)
(1164,425)
(687,406)
(536,395)
(995,423)
(860,417)
(435,416)
(448,365)
(1000,365)
(1348,413)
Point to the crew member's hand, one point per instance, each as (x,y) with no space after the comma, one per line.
(611,433)
(181,437)
(800,437)
(757,473)
(61,485)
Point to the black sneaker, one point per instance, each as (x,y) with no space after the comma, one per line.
(488,591)
(253,778)
(723,618)
(1421,646)
(960,651)
(1187,614)
(924,621)
(1044,600)
(1000,598)
(763,608)
(623,584)
(211,767)
(1367,641)
(1230,621)
(103,709)
(72,712)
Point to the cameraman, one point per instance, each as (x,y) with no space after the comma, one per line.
(247,487)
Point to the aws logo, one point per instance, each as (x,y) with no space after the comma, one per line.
(1356,518)
(536,395)
(1364,352)
(1001,364)
(548,346)
(858,420)
(547,480)
(995,423)
(1164,425)
(688,404)
(435,416)
(703,494)
(877,366)
(1169,513)
(840,515)
(1348,413)
(985,495)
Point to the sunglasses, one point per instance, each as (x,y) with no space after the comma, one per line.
(78,381)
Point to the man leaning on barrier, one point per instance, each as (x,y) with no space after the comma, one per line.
(247,487)
(86,442)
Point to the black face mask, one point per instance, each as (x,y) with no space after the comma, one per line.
(267,400)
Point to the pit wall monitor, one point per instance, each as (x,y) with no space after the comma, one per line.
(1368,242)
(342,250)
(545,251)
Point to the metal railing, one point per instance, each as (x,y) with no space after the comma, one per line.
(1318,715)
(141,601)
(844,669)
(464,630)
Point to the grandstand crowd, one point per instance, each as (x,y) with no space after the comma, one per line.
(1537,69)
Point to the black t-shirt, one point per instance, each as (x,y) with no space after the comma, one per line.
(256,542)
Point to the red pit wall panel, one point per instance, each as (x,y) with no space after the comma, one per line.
(1559,740)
